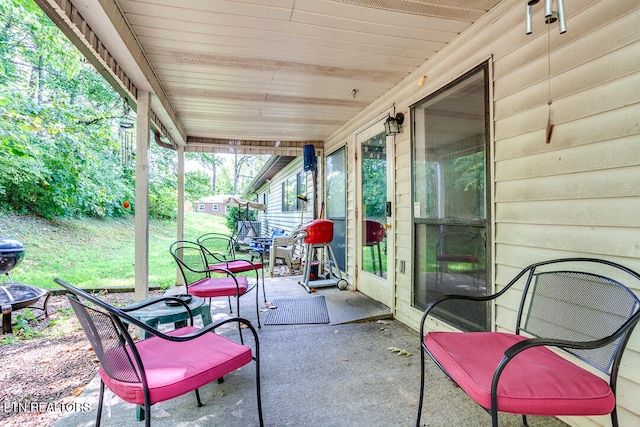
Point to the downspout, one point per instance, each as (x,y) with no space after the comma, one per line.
(158,140)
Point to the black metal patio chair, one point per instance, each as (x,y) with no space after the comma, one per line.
(162,367)
(573,321)
(219,252)
(205,282)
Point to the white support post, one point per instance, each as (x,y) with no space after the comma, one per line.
(180,236)
(142,196)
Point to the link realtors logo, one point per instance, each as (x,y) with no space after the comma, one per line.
(28,406)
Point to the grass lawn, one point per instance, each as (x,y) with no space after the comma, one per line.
(93,253)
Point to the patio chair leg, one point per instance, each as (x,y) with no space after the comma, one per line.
(198,398)
(238,309)
(524,421)
(258,391)
(100,399)
(264,292)
(147,414)
(421,397)
(257,307)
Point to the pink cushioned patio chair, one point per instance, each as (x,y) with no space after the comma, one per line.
(220,252)
(204,282)
(164,366)
(573,309)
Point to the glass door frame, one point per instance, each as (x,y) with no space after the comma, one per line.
(379,288)
(481,227)
(340,239)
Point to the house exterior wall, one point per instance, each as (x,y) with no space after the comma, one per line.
(579,195)
(274,217)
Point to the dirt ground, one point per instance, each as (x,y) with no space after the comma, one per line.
(40,374)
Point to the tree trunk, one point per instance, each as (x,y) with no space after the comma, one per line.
(40,80)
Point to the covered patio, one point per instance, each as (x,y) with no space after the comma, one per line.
(253,77)
(552,130)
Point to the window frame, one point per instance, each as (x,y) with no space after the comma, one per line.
(290,201)
(420,220)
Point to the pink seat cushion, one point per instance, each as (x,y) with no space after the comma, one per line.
(176,368)
(535,382)
(218,287)
(236,266)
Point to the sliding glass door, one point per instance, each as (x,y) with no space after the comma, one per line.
(450,194)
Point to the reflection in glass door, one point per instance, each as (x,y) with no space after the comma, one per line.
(374,201)
(336,207)
(450,208)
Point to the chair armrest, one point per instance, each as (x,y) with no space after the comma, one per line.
(478,298)
(283,241)
(141,304)
(193,270)
(218,256)
(188,337)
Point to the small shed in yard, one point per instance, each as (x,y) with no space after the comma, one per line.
(212,205)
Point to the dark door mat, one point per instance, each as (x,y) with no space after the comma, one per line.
(298,311)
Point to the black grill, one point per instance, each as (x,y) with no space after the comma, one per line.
(14,296)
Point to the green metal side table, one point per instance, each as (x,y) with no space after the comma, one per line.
(162,313)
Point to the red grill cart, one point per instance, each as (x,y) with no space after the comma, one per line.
(319,237)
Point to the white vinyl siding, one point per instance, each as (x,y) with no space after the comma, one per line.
(578,195)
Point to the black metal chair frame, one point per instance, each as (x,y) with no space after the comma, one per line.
(186,269)
(120,322)
(470,253)
(558,335)
(216,257)
(374,244)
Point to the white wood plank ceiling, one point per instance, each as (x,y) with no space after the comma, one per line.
(264,70)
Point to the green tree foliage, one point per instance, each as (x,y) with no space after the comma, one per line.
(240,170)
(374,178)
(197,184)
(61,151)
(163,172)
(58,117)
(210,162)
(163,177)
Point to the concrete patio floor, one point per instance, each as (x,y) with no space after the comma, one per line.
(336,374)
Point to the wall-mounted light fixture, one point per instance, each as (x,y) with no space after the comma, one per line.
(392,124)
(550,16)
